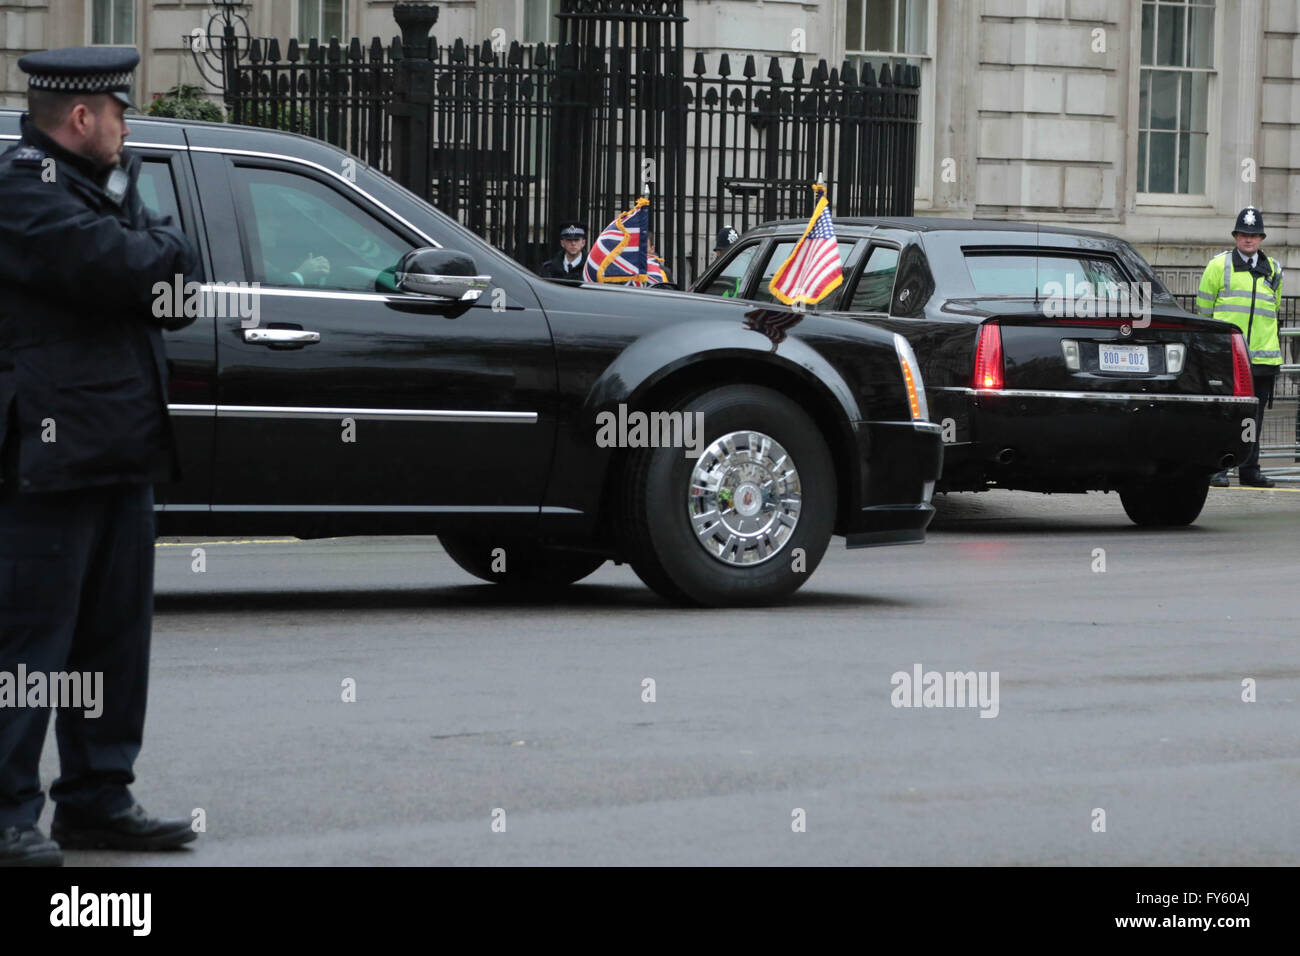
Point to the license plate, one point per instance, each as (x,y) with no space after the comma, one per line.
(1123,358)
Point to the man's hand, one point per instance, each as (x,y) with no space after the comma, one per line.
(313,269)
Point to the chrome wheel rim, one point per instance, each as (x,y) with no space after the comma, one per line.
(744,499)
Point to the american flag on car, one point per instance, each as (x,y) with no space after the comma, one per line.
(814,269)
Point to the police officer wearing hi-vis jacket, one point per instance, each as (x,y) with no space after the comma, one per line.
(83,435)
(1244,286)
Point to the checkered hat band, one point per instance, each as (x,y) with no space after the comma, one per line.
(84,83)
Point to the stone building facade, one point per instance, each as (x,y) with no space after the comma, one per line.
(1152,119)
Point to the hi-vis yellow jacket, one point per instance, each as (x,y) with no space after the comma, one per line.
(1247,301)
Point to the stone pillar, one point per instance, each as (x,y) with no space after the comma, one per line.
(412,98)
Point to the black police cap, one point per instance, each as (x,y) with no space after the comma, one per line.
(573,229)
(83,69)
(1250,222)
(727,236)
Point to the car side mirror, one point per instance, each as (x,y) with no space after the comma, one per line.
(441,274)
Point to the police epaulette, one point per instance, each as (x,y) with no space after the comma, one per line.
(29,156)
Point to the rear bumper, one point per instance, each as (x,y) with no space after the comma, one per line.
(1072,440)
(898,465)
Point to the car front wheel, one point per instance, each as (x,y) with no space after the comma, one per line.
(744,523)
(1167,504)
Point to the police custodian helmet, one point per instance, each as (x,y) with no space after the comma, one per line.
(1250,222)
(83,69)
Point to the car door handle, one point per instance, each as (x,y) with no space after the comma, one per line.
(280,336)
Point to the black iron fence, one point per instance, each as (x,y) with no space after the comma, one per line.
(1280,438)
(511,141)
(1288,325)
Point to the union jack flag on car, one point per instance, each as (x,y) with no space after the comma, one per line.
(620,252)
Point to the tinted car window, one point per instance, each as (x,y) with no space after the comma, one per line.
(876,284)
(158,190)
(1028,274)
(780,252)
(303,233)
(727,282)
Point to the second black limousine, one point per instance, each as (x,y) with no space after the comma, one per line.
(1054,359)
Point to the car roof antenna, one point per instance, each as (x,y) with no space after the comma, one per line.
(1037,244)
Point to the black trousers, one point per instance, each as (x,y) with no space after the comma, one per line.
(76,595)
(1264,392)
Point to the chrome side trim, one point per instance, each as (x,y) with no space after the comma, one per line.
(365,414)
(1103,396)
(179,149)
(376,414)
(397,509)
(256,154)
(323,294)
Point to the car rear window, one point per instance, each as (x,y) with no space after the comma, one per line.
(1028,274)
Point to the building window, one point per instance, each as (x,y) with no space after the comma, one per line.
(113,22)
(885,26)
(320,20)
(893,32)
(540,24)
(1173,99)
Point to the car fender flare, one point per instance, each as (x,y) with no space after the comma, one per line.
(652,359)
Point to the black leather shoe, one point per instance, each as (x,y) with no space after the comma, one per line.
(28,846)
(1219,479)
(131,829)
(1257,479)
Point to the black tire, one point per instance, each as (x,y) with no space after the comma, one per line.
(528,566)
(655,528)
(1165,504)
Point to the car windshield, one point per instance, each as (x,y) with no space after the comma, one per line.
(1028,274)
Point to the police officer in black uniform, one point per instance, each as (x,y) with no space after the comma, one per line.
(727,237)
(83,435)
(569,262)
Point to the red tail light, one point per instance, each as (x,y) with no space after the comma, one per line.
(1242,384)
(988,357)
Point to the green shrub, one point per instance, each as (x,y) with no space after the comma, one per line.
(186,102)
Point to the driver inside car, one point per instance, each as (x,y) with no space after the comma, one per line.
(282,259)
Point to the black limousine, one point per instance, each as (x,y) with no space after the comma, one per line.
(1054,359)
(362,364)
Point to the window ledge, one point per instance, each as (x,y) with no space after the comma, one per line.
(1176,202)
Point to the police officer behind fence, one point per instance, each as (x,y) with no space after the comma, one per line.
(727,237)
(1244,287)
(83,434)
(570,260)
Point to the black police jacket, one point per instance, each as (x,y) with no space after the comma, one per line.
(553,268)
(83,374)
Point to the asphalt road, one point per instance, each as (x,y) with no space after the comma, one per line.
(1118,690)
